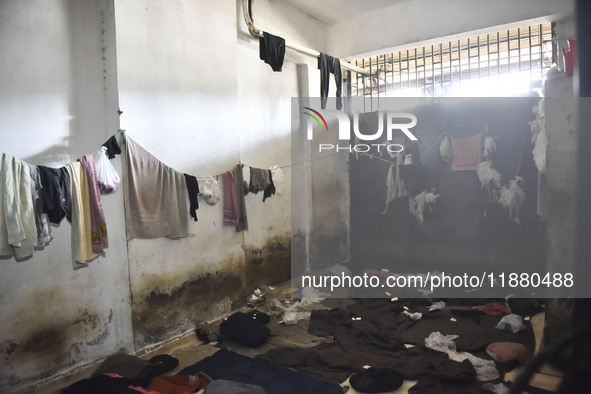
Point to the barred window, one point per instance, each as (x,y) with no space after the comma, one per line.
(505,63)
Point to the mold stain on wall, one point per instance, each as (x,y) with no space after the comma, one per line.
(166,312)
(44,335)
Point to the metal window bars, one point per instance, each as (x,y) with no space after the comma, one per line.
(453,67)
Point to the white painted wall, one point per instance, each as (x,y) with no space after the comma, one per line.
(420,21)
(187,77)
(58,101)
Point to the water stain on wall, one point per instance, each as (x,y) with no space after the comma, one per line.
(166,312)
(44,335)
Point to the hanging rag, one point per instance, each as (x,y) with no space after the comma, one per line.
(260,179)
(240,203)
(41,220)
(467,152)
(154,196)
(210,191)
(55,194)
(272,50)
(230,204)
(395,183)
(269,190)
(112,147)
(18,231)
(329,65)
(98,225)
(193,190)
(81,230)
(278,180)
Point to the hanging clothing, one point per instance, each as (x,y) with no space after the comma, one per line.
(278,179)
(55,194)
(210,191)
(112,147)
(260,179)
(467,152)
(394,183)
(18,231)
(82,251)
(193,190)
(269,190)
(41,220)
(272,50)
(329,65)
(230,205)
(240,203)
(155,203)
(98,225)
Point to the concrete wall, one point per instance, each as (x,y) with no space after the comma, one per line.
(194,93)
(407,23)
(58,101)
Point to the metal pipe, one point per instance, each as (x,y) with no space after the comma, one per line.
(257,33)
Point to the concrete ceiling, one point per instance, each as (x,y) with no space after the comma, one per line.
(332,11)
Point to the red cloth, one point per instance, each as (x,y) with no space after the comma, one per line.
(505,352)
(493,308)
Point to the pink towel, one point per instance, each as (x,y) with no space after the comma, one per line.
(230,205)
(98,225)
(467,152)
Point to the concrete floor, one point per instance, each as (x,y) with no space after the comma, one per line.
(188,350)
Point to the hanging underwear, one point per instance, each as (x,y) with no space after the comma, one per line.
(272,50)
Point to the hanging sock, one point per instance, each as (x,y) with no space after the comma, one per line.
(112,147)
(272,50)
(193,190)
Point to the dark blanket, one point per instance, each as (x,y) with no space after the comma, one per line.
(273,378)
(373,332)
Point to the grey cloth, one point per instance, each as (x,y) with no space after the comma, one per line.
(259,179)
(41,220)
(222,386)
(155,196)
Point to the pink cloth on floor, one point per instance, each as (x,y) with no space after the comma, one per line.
(493,308)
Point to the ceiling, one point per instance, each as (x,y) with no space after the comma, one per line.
(332,11)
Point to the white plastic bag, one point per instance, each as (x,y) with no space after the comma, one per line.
(511,322)
(106,174)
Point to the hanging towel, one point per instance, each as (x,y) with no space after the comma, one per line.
(193,190)
(154,197)
(98,225)
(41,220)
(230,205)
(272,50)
(55,194)
(240,203)
(329,65)
(18,231)
(467,152)
(81,223)
(112,147)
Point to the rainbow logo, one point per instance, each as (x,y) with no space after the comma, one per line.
(315,118)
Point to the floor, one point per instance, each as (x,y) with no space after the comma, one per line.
(188,349)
